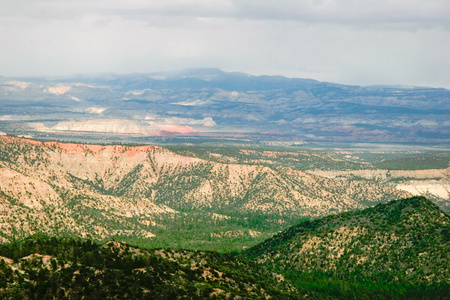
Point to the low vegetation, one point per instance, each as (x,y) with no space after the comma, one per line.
(398,250)
(43,267)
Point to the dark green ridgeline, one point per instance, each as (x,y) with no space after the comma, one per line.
(412,264)
(400,250)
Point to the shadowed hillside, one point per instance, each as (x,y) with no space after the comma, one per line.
(402,248)
(41,267)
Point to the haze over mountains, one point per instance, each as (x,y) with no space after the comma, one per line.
(213,103)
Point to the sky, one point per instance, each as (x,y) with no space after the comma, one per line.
(363,42)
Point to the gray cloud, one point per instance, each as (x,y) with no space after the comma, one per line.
(353,12)
(417,14)
(347,41)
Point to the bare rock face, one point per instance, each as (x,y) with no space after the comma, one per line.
(33,193)
(108,126)
(432,183)
(95,190)
(439,188)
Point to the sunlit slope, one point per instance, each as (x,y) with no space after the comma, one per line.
(103,190)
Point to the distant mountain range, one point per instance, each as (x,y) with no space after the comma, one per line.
(211,103)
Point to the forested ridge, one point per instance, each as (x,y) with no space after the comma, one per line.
(398,250)
(43,267)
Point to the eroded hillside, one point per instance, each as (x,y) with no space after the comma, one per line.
(151,193)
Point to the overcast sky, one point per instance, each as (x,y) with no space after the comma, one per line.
(345,41)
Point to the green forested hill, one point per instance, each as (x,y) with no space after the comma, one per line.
(399,249)
(42,267)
